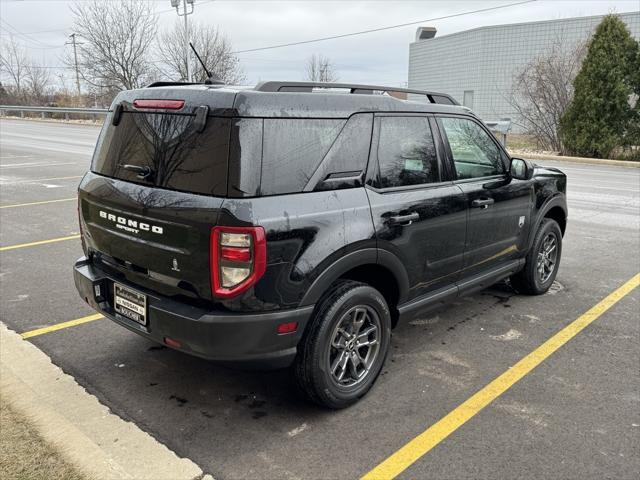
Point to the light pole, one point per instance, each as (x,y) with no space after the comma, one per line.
(185,12)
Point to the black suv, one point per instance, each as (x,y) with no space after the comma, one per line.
(295,224)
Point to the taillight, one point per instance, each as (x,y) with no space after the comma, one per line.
(238,259)
(84,245)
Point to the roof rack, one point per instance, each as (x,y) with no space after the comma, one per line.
(353,88)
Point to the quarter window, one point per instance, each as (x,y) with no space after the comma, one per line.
(406,152)
(292,150)
(475,154)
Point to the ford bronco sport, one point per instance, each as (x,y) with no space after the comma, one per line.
(295,224)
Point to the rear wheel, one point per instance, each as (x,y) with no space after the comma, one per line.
(542,261)
(345,345)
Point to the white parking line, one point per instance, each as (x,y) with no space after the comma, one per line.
(600,187)
(37,164)
(6,181)
(624,171)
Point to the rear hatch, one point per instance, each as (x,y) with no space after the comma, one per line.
(158,179)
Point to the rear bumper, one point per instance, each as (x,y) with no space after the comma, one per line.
(248,338)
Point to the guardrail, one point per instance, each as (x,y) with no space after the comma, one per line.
(66,111)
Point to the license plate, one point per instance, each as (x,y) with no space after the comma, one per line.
(130,304)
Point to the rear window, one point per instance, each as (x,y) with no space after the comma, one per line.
(292,151)
(165,150)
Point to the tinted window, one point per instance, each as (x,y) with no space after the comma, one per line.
(406,152)
(474,152)
(442,99)
(177,156)
(346,160)
(292,151)
(245,157)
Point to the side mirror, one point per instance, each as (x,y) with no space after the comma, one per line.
(521,169)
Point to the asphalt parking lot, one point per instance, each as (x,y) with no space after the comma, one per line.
(577,415)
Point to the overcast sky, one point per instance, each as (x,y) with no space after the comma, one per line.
(379,57)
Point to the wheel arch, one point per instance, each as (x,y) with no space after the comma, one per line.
(556,209)
(379,268)
(558,214)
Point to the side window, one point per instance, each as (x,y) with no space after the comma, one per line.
(344,164)
(292,151)
(475,154)
(245,157)
(406,152)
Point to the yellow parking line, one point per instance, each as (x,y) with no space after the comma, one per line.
(436,433)
(60,326)
(38,203)
(39,242)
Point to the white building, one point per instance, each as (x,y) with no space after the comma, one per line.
(477,66)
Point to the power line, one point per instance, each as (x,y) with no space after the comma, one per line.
(380,29)
(48,67)
(12,30)
(46,31)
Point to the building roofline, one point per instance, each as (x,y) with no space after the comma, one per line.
(487,27)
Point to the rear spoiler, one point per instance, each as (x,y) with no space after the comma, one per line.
(178,84)
(171,84)
(201,112)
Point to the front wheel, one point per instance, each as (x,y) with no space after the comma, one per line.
(542,261)
(345,345)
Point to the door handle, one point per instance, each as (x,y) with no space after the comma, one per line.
(404,219)
(482,202)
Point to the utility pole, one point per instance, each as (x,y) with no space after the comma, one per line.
(185,13)
(75,59)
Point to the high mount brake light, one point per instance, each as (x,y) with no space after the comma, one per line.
(158,104)
(238,259)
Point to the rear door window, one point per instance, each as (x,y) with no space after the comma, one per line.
(406,152)
(292,151)
(165,150)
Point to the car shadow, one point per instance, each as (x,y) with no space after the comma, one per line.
(208,412)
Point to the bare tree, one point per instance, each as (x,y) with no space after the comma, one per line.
(115,42)
(320,69)
(38,80)
(213,47)
(543,90)
(13,63)
(29,82)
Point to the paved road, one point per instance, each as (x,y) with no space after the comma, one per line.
(575,416)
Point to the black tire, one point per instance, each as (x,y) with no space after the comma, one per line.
(530,280)
(312,368)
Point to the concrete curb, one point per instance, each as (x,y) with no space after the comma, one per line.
(592,161)
(99,443)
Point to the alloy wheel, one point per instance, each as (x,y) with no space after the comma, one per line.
(547,257)
(355,344)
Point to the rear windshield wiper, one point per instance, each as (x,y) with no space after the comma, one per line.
(143,172)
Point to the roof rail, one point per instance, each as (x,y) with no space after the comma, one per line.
(354,88)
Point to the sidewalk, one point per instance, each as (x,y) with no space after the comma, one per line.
(98,443)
